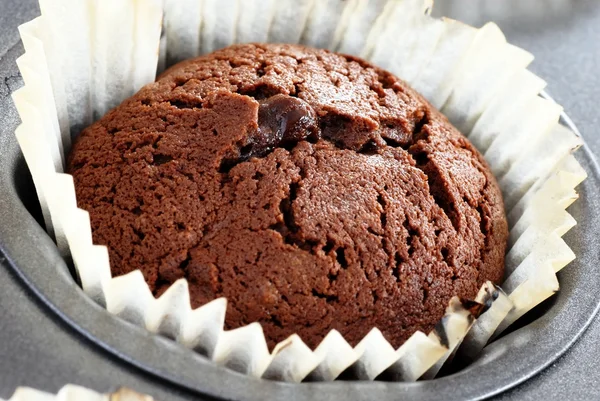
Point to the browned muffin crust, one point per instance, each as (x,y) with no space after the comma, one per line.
(312,190)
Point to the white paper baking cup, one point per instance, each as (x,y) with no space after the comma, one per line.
(84,57)
(76,393)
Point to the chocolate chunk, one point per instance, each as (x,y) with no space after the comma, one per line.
(283,121)
(287,120)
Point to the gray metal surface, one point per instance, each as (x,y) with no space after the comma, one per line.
(39,350)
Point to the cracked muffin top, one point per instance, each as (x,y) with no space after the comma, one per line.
(313,190)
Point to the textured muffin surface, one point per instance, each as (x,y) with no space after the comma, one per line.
(312,190)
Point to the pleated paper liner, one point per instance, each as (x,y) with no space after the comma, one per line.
(76,393)
(84,57)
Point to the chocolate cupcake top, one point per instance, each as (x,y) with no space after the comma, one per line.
(313,190)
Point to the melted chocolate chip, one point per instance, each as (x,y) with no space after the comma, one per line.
(286,119)
(283,121)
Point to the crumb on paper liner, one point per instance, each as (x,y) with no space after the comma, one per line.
(74,72)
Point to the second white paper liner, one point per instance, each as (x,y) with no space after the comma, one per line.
(76,393)
(458,72)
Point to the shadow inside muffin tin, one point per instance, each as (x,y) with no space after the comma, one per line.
(537,340)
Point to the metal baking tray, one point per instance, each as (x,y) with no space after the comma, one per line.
(546,333)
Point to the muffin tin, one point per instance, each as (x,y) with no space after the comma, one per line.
(508,361)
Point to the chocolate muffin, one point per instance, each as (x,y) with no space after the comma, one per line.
(313,190)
